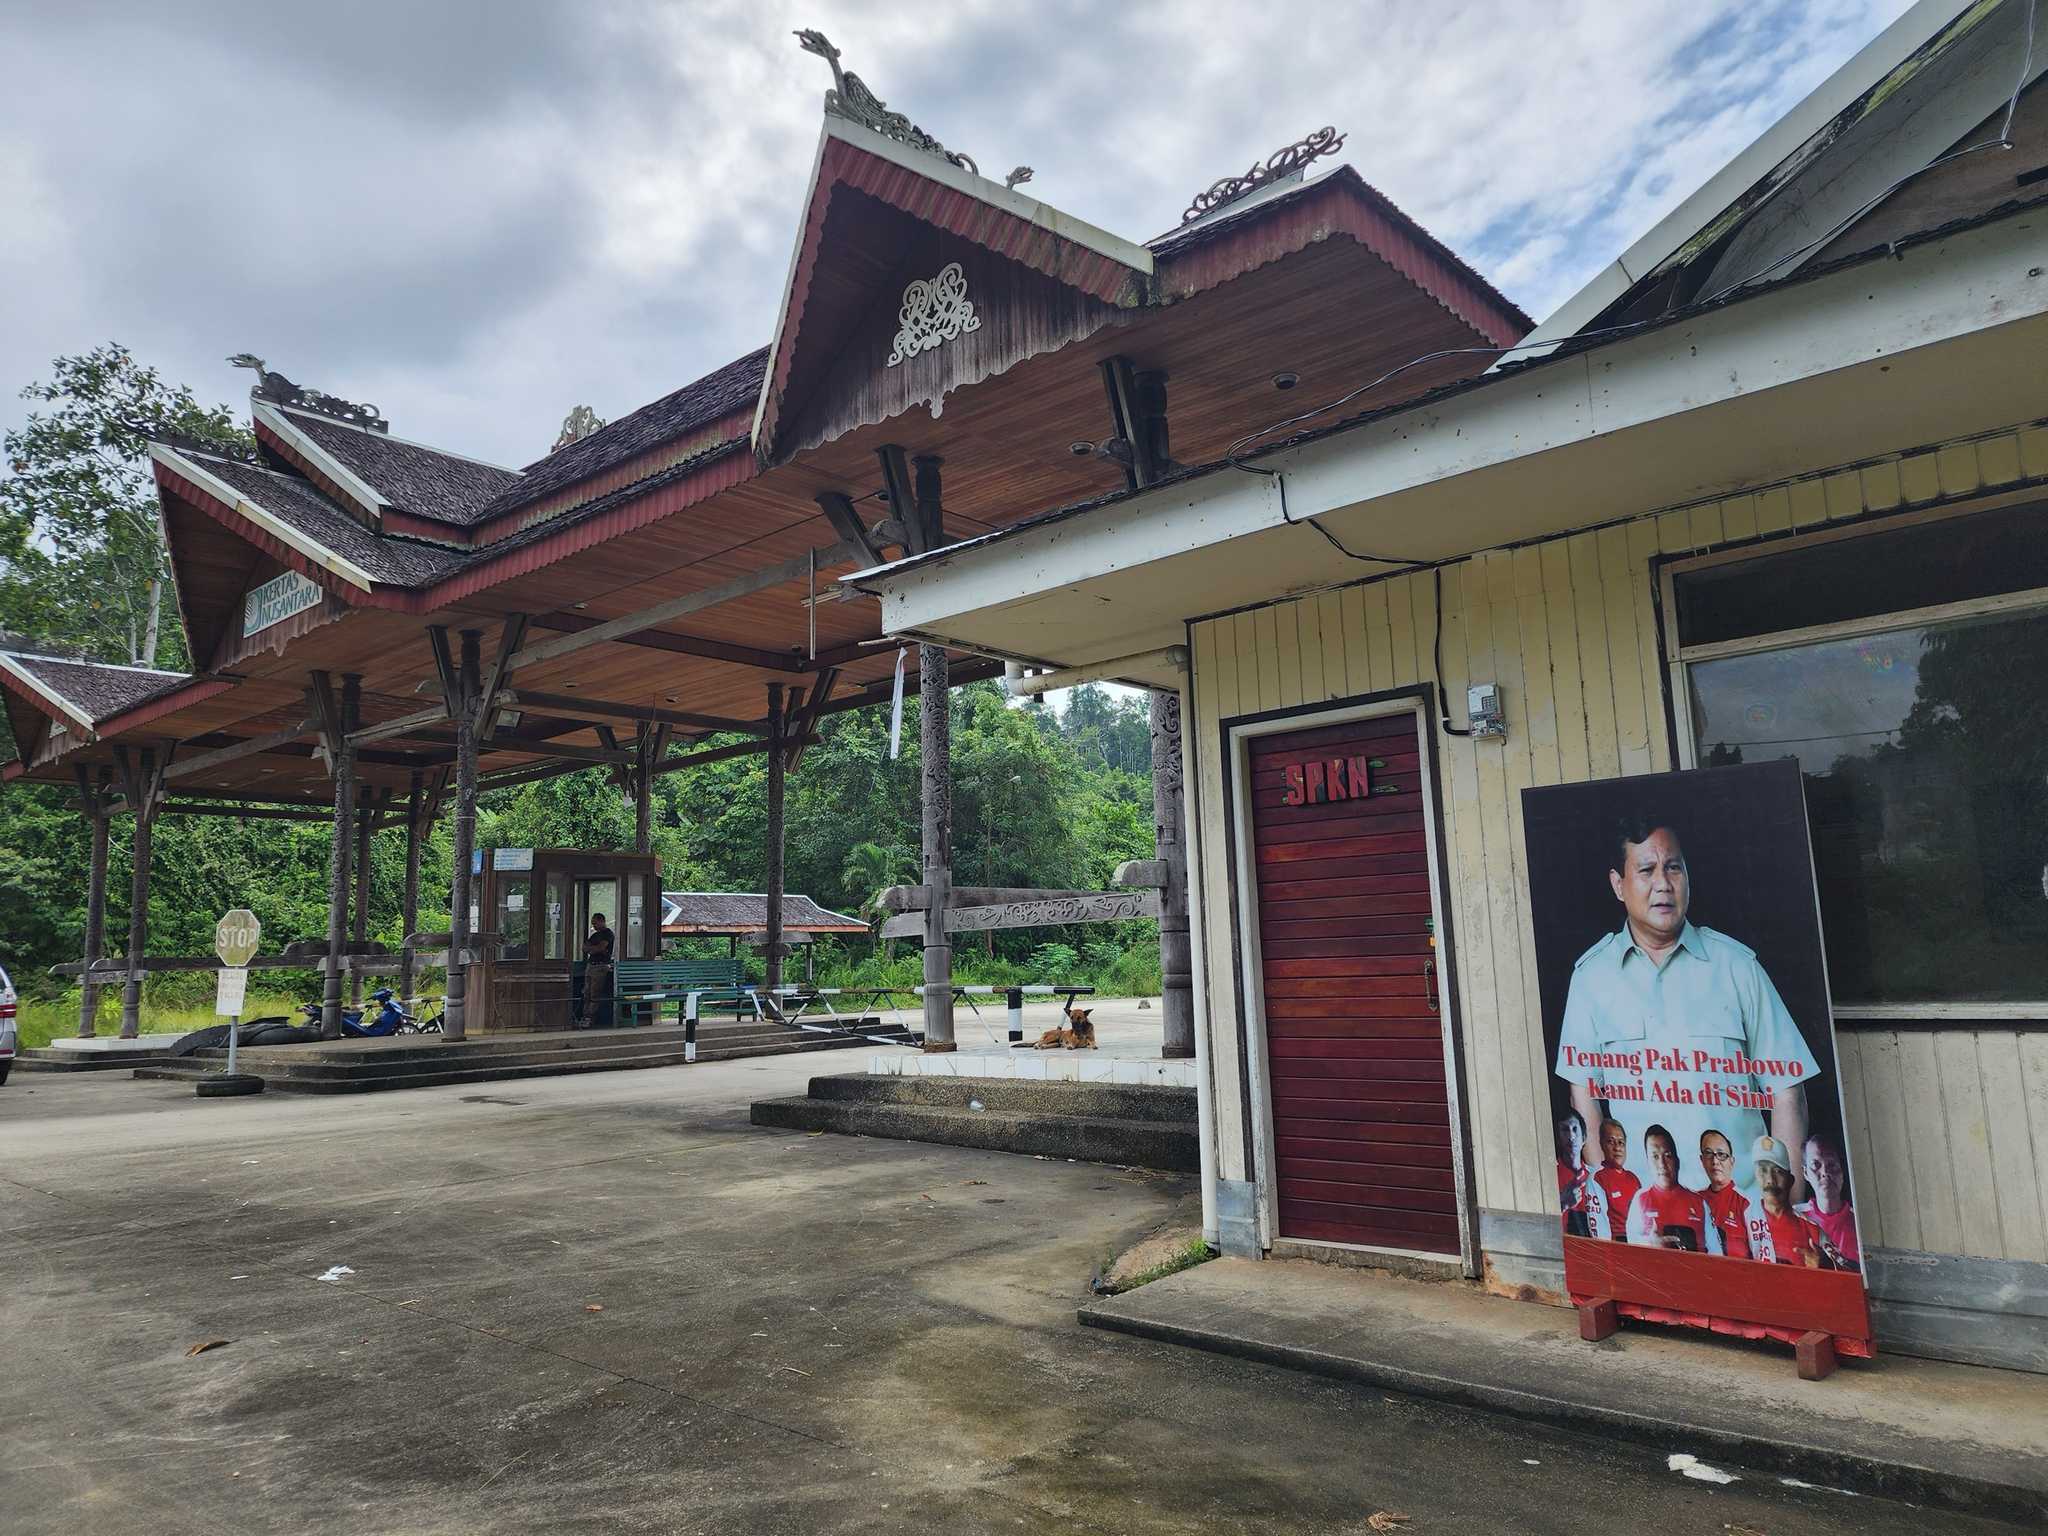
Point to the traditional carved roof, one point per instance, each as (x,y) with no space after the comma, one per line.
(426,482)
(724,912)
(96,689)
(305,510)
(723,392)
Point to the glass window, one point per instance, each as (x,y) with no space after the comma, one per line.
(1865,575)
(555,920)
(636,917)
(1925,751)
(510,915)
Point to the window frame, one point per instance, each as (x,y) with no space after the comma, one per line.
(1678,681)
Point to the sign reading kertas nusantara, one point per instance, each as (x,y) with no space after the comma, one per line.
(1693,1100)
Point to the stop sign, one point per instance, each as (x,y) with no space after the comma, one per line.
(235,937)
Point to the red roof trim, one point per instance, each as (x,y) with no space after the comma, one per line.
(198,690)
(728,469)
(1344,204)
(205,501)
(579,493)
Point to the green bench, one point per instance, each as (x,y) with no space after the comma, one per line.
(646,988)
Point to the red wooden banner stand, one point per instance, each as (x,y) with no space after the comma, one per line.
(1822,1313)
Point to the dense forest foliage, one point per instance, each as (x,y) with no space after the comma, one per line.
(1042,797)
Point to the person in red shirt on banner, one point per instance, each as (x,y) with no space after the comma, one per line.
(1829,1209)
(1613,1177)
(1777,1233)
(1726,1204)
(1580,1199)
(1666,1214)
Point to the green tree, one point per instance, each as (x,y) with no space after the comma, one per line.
(82,559)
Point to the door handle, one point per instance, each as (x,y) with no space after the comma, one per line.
(1429,982)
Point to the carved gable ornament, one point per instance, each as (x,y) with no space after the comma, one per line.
(934,312)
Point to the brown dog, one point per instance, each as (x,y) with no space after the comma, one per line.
(1077,1035)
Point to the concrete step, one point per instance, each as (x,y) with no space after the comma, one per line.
(46,1059)
(1087,1138)
(479,1061)
(1102,1101)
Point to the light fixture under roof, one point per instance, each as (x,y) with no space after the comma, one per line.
(1080,449)
(1286,379)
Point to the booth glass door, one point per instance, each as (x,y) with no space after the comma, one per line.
(1345,965)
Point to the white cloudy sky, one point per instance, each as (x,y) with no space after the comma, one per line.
(478,213)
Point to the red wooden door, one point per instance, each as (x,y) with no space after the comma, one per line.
(1354,1030)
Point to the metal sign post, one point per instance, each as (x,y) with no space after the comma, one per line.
(235,938)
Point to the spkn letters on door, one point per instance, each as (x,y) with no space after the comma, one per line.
(1334,778)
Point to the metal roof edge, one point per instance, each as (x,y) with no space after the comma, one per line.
(1862,73)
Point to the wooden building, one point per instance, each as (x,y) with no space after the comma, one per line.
(1795,439)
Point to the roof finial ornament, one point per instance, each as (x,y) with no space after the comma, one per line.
(1017,178)
(576,426)
(851,99)
(1280,166)
(279,390)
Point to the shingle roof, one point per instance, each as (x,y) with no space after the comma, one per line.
(411,476)
(388,558)
(722,912)
(96,689)
(731,388)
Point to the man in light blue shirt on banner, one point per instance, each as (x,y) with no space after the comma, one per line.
(1678,1019)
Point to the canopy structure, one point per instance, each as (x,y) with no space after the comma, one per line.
(384,627)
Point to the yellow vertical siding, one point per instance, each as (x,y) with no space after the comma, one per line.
(1949,1128)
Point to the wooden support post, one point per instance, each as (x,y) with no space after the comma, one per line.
(643,790)
(409,902)
(467,683)
(778,768)
(936,748)
(1169,842)
(360,929)
(338,718)
(93,797)
(143,780)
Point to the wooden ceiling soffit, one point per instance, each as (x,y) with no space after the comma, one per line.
(631,625)
(974,313)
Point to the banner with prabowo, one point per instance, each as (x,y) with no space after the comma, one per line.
(1701,1163)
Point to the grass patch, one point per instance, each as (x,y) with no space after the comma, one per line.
(1194,1252)
(42,1021)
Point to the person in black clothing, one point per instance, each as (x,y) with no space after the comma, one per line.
(597,974)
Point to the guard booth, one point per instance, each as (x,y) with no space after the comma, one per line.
(539,901)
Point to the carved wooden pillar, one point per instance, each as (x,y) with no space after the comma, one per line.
(143,780)
(459,938)
(778,767)
(643,791)
(93,797)
(1169,831)
(409,902)
(360,930)
(338,720)
(935,739)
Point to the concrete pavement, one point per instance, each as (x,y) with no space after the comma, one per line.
(608,1304)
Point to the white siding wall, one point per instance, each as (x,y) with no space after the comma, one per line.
(1950,1128)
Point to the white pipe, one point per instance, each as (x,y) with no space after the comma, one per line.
(1198,981)
(1175,656)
